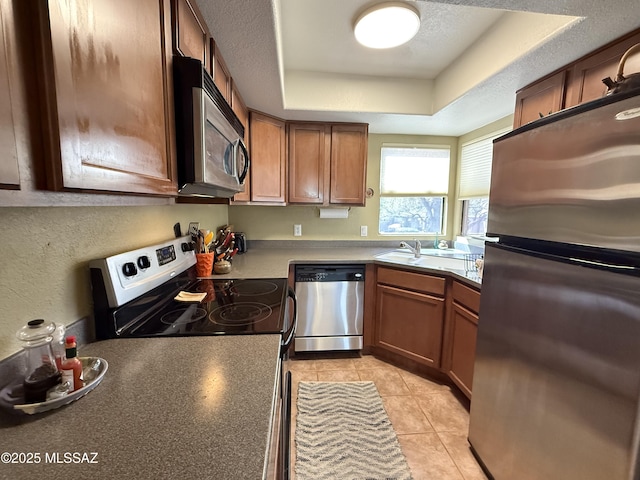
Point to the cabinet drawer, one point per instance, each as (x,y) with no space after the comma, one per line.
(412,281)
(466,296)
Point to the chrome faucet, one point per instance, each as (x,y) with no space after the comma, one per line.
(415,251)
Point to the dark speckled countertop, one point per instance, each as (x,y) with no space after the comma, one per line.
(167,408)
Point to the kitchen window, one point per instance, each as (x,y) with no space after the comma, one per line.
(414,184)
(475,180)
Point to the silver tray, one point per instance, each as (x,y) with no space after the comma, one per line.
(12,398)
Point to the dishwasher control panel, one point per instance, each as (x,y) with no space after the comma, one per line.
(329,273)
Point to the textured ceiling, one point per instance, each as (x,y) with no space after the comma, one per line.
(297,59)
(318,35)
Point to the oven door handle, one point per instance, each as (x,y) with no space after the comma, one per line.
(290,334)
(285,432)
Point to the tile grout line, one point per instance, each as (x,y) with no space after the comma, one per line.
(450,455)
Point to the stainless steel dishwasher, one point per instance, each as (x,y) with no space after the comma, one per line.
(330,305)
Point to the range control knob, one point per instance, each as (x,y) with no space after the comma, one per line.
(187,246)
(129,269)
(144,262)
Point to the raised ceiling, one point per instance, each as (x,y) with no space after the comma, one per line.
(298,59)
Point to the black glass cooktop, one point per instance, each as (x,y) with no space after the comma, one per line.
(230,307)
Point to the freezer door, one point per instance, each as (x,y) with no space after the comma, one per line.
(557,371)
(574,179)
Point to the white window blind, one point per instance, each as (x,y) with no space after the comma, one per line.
(414,171)
(475,167)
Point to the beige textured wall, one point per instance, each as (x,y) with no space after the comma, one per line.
(276,223)
(46,251)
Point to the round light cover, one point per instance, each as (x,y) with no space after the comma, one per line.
(387,25)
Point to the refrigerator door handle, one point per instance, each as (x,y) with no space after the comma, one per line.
(612,266)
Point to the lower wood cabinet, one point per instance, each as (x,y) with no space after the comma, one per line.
(410,315)
(460,335)
(429,321)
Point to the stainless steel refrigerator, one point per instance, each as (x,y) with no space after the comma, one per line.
(556,382)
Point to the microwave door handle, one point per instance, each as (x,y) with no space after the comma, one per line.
(241,146)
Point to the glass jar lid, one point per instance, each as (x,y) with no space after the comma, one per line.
(36,330)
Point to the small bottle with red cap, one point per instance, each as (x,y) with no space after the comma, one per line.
(72,366)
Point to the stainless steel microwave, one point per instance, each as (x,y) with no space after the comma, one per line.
(212,157)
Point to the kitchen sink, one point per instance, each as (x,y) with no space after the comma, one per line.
(442,259)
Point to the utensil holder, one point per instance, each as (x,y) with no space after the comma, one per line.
(204,264)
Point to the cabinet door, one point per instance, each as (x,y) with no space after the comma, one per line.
(464,329)
(542,98)
(348,164)
(190,33)
(268,158)
(9,172)
(586,75)
(107,95)
(309,153)
(220,74)
(240,109)
(409,324)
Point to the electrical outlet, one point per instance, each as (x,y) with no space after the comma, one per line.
(193,228)
(363,230)
(297,230)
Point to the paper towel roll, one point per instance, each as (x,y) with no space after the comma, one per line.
(334,212)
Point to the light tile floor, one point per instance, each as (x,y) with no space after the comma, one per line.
(430,422)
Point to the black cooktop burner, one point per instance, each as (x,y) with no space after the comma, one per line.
(245,313)
(252,288)
(230,307)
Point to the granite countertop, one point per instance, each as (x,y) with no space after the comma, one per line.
(178,407)
(272,262)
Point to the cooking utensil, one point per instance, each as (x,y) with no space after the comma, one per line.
(623,83)
(207,241)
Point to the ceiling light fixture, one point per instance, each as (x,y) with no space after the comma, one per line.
(387,25)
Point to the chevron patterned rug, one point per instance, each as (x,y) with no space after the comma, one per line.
(343,433)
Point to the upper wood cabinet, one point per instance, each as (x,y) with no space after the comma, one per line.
(348,164)
(327,163)
(190,33)
(540,100)
(9,170)
(107,95)
(220,73)
(309,162)
(268,158)
(576,83)
(587,74)
(240,108)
